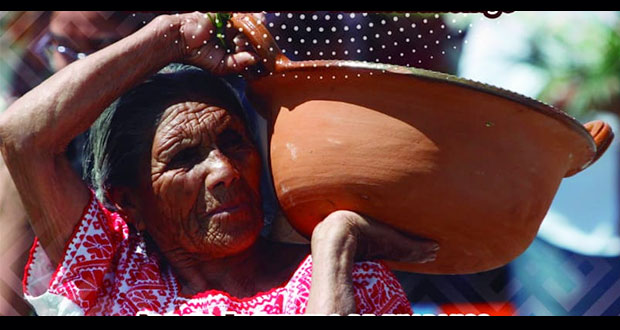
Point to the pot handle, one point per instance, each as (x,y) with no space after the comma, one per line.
(602,134)
(259,37)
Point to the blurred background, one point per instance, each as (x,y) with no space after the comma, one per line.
(570,60)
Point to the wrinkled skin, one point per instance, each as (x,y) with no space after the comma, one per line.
(204,184)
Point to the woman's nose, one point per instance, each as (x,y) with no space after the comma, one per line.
(221,170)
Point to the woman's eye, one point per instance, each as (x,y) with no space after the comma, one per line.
(231,140)
(185,158)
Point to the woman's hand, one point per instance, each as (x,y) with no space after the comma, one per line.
(345,237)
(200,46)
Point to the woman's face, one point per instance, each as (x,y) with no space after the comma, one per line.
(204,193)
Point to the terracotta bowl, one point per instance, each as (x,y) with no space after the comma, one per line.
(468,165)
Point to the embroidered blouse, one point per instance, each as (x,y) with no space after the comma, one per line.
(106,270)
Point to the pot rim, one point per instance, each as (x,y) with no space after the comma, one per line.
(285,66)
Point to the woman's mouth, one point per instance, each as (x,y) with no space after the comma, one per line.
(228,210)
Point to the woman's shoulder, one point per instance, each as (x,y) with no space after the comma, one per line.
(90,256)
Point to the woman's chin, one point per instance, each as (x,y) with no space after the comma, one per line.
(230,236)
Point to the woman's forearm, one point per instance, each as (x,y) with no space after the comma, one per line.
(53,113)
(333,254)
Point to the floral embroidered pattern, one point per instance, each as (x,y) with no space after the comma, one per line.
(106,270)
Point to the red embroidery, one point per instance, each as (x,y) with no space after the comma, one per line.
(107,271)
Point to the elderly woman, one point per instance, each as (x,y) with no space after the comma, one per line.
(174,225)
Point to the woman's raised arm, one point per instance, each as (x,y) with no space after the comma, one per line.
(36,129)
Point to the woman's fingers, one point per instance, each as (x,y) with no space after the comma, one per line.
(375,240)
(205,47)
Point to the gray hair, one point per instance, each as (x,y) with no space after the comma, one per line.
(120,140)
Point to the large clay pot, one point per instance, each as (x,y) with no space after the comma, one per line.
(470,166)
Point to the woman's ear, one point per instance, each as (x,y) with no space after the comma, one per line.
(127,205)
